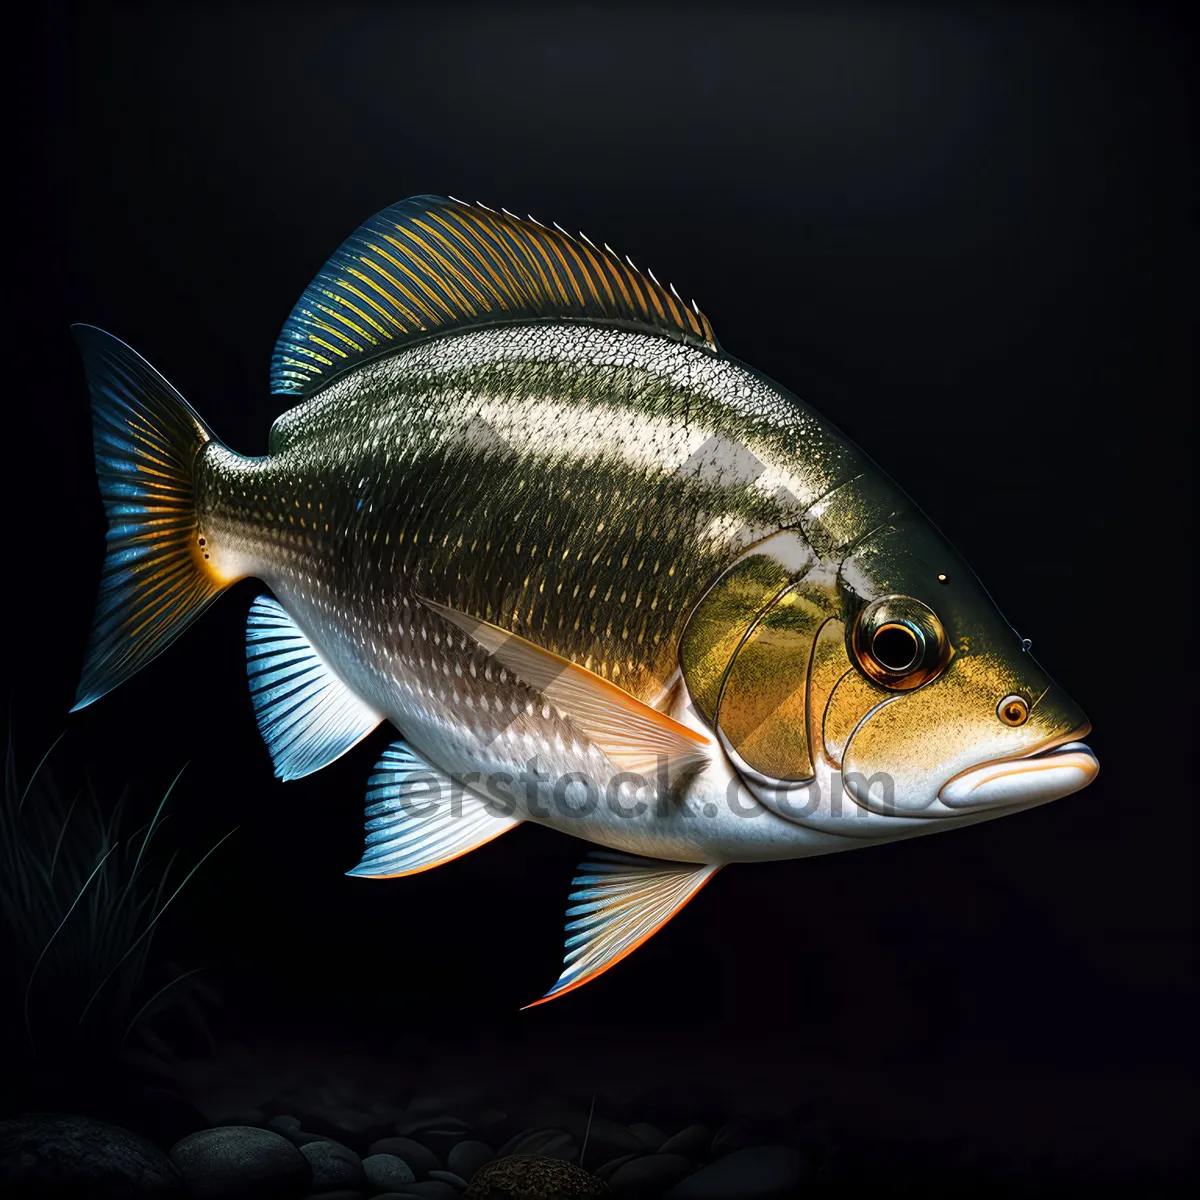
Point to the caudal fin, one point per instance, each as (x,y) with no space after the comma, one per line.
(156,579)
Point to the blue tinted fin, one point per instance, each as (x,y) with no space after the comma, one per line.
(432,264)
(419,818)
(306,714)
(617,902)
(157,577)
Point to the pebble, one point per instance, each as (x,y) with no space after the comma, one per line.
(421,1159)
(436,1131)
(333,1166)
(533,1178)
(467,1157)
(241,1161)
(386,1172)
(75,1156)
(606,1171)
(649,1135)
(692,1142)
(740,1133)
(285,1124)
(416,1122)
(649,1175)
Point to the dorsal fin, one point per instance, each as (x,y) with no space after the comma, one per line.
(430,264)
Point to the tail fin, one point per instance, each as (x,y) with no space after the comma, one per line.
(155,580)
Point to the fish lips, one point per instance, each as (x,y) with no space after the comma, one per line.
(1023,781)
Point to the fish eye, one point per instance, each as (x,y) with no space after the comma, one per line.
(899,642)
(1013,710)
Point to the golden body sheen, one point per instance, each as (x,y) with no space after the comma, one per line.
(578,486)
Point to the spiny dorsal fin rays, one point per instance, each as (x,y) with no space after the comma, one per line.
(617,902)
(632,734)
(432,265)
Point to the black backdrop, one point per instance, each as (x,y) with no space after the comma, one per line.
(965,235)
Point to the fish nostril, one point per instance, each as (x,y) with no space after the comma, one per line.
(1013,710)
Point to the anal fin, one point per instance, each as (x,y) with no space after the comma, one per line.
(419,818)
(618,901)
(307,716)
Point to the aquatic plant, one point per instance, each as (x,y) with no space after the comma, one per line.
(82,892)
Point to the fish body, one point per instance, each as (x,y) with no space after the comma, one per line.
(580,488)
(598,573)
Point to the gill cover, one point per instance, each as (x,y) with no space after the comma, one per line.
(747,650)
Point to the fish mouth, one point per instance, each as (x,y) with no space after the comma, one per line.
(1033,778)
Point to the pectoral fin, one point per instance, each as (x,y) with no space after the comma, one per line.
(632,734)
(419,818)
(307,716)
(617,902)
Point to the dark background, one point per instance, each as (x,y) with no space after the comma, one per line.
(964,234)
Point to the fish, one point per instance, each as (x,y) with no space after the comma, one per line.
(591,570)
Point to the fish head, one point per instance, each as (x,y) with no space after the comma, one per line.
(889,675)
(946,712)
